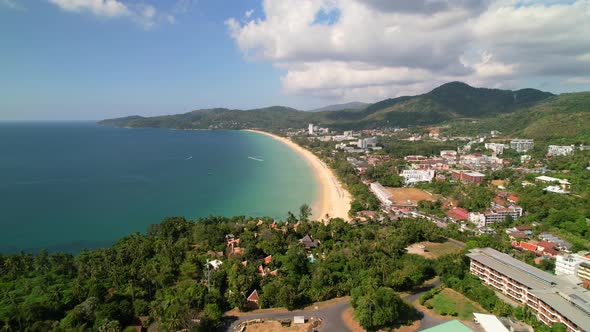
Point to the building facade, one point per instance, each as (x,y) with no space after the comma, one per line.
(551,299)
(498,148)
(560,150)
(500,214)
(467,176)
(381,193)
(584,274)
(412,176)
(569,264)
(522,145)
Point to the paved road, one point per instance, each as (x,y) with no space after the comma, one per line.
(427,320)
(331,316)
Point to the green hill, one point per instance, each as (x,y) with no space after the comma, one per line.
(563,119)
(450,101)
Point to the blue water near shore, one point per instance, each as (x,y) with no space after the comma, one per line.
(68,186)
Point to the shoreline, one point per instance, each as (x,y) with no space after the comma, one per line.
(332,199)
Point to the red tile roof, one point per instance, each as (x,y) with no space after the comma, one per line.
(550,252)
(528,246)
(253,297)
(546,245)
(458,213)
(513,198)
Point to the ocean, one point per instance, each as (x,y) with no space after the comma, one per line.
(74,185)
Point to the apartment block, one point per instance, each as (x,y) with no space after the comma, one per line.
(500,214)
(560,150)
(552,299)
(522,145)
(412,176)
(568,264)
(467,176)
(498,148)
(382,194)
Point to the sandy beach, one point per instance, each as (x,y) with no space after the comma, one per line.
(333,200)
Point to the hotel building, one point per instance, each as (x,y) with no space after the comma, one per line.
(522,145)
(382,194)
(552,299)
(557,150)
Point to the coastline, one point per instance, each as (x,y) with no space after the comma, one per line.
(332,199)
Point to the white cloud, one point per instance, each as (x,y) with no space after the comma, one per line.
(249,13)
(146,16)
(383,47)
(108,8)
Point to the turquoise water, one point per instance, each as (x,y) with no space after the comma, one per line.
(68,186)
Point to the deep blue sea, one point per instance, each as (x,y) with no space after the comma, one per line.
(68,186)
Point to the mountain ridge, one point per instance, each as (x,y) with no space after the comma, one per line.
(449,101)
(354,105)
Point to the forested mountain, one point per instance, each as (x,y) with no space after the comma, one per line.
(453,100)
(355,105)
(563,119)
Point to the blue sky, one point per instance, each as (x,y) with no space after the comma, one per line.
(95,59)
(57,64)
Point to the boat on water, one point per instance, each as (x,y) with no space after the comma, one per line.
(189,158)
(254,158)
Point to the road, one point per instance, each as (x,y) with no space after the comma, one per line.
(427,320)
(331,314)
(441,223)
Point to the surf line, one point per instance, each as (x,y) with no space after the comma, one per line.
(257,159)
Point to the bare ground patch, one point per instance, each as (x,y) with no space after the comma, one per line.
(348,318)
(275,326)
(433,250)
(406,196)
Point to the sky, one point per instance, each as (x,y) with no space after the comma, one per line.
(96,59)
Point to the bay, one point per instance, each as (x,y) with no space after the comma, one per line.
(73,185)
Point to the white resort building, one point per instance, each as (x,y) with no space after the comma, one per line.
(381,193)
(413,176)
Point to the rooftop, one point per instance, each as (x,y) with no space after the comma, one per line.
(450,326)
(565,297)
(474,174)
(490,323)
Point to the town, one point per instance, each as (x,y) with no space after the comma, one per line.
(482,185)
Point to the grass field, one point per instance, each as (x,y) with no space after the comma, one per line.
(449,301)
(433,250)
(401,196)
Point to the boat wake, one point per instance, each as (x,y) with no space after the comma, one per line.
(254,158)
(189,158)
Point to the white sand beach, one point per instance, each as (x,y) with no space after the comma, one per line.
(333,200)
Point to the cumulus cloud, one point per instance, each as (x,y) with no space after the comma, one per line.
(147,16)
(377,48)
